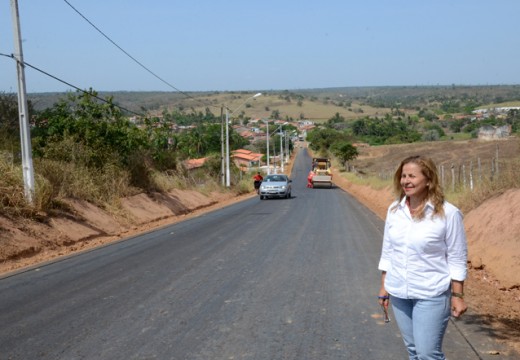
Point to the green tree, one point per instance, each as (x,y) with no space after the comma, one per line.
(9,121)
(322,139)
(435,127)
(104,133)
(344,151)
(431,135)
(457,125)
(384,131)
(513,118)
(337,118)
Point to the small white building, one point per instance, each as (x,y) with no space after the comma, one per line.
(489,132)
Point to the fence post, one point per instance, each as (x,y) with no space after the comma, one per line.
(464,176)
(479,171)
(442,176)
(496,161)
(471,175)
(452,177)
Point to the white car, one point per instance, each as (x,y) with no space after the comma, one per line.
(275,185)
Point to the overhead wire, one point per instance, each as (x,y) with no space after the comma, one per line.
(69,84)
(134,59)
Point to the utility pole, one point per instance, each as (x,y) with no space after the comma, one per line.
(267,132)
(281,149)
(287,154)
(228,172)
(274,154)
(25,132)
(222,163)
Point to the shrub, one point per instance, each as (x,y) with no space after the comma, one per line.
(244,186)
(12,198)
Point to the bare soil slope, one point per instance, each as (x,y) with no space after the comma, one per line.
(24,242)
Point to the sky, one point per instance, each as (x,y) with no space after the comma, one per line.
(236,45)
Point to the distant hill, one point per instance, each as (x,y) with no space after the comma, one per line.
(318,104)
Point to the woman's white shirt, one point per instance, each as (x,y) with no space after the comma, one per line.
(422,257)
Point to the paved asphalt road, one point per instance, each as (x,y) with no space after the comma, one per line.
(272,279)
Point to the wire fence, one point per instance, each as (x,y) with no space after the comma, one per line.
(460,177)
(470,173)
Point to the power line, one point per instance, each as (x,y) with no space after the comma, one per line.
(69,84)
(134,59)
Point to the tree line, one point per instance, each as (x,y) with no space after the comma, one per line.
(81,145)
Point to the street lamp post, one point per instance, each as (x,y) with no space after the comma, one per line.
(287,151)
(267,133)
(274,155)
(228,173)
(281,149)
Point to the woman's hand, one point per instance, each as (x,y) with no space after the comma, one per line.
(458,306)
(383,298)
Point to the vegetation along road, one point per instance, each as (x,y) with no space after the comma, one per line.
(275,279)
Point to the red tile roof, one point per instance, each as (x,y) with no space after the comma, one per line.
(194,163)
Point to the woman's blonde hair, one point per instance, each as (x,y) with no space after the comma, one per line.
(434,190)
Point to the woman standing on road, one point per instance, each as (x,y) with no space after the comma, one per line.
(423,259)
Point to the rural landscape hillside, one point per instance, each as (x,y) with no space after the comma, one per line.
(109,171)
(314,104)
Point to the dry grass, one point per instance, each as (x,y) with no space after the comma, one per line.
(380,160)
(168,181)
(12,198)
(263,106)
(244,186)
(375,166)
(55,181)
(508,177)
(72,180)
(165,181)
(374,182)
(504,104)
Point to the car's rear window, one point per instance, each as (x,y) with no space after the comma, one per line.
(275,178)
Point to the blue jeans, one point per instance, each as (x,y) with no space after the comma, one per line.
(422,323)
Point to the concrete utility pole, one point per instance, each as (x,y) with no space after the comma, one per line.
(228,172)
(287,152)
(281,149)
(222,162)
(267,133)
(25,132)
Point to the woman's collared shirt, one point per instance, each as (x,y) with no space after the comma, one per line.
(422,257)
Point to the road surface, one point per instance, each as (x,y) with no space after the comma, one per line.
(275,279)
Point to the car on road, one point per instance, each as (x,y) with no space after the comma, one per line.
(275,185)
